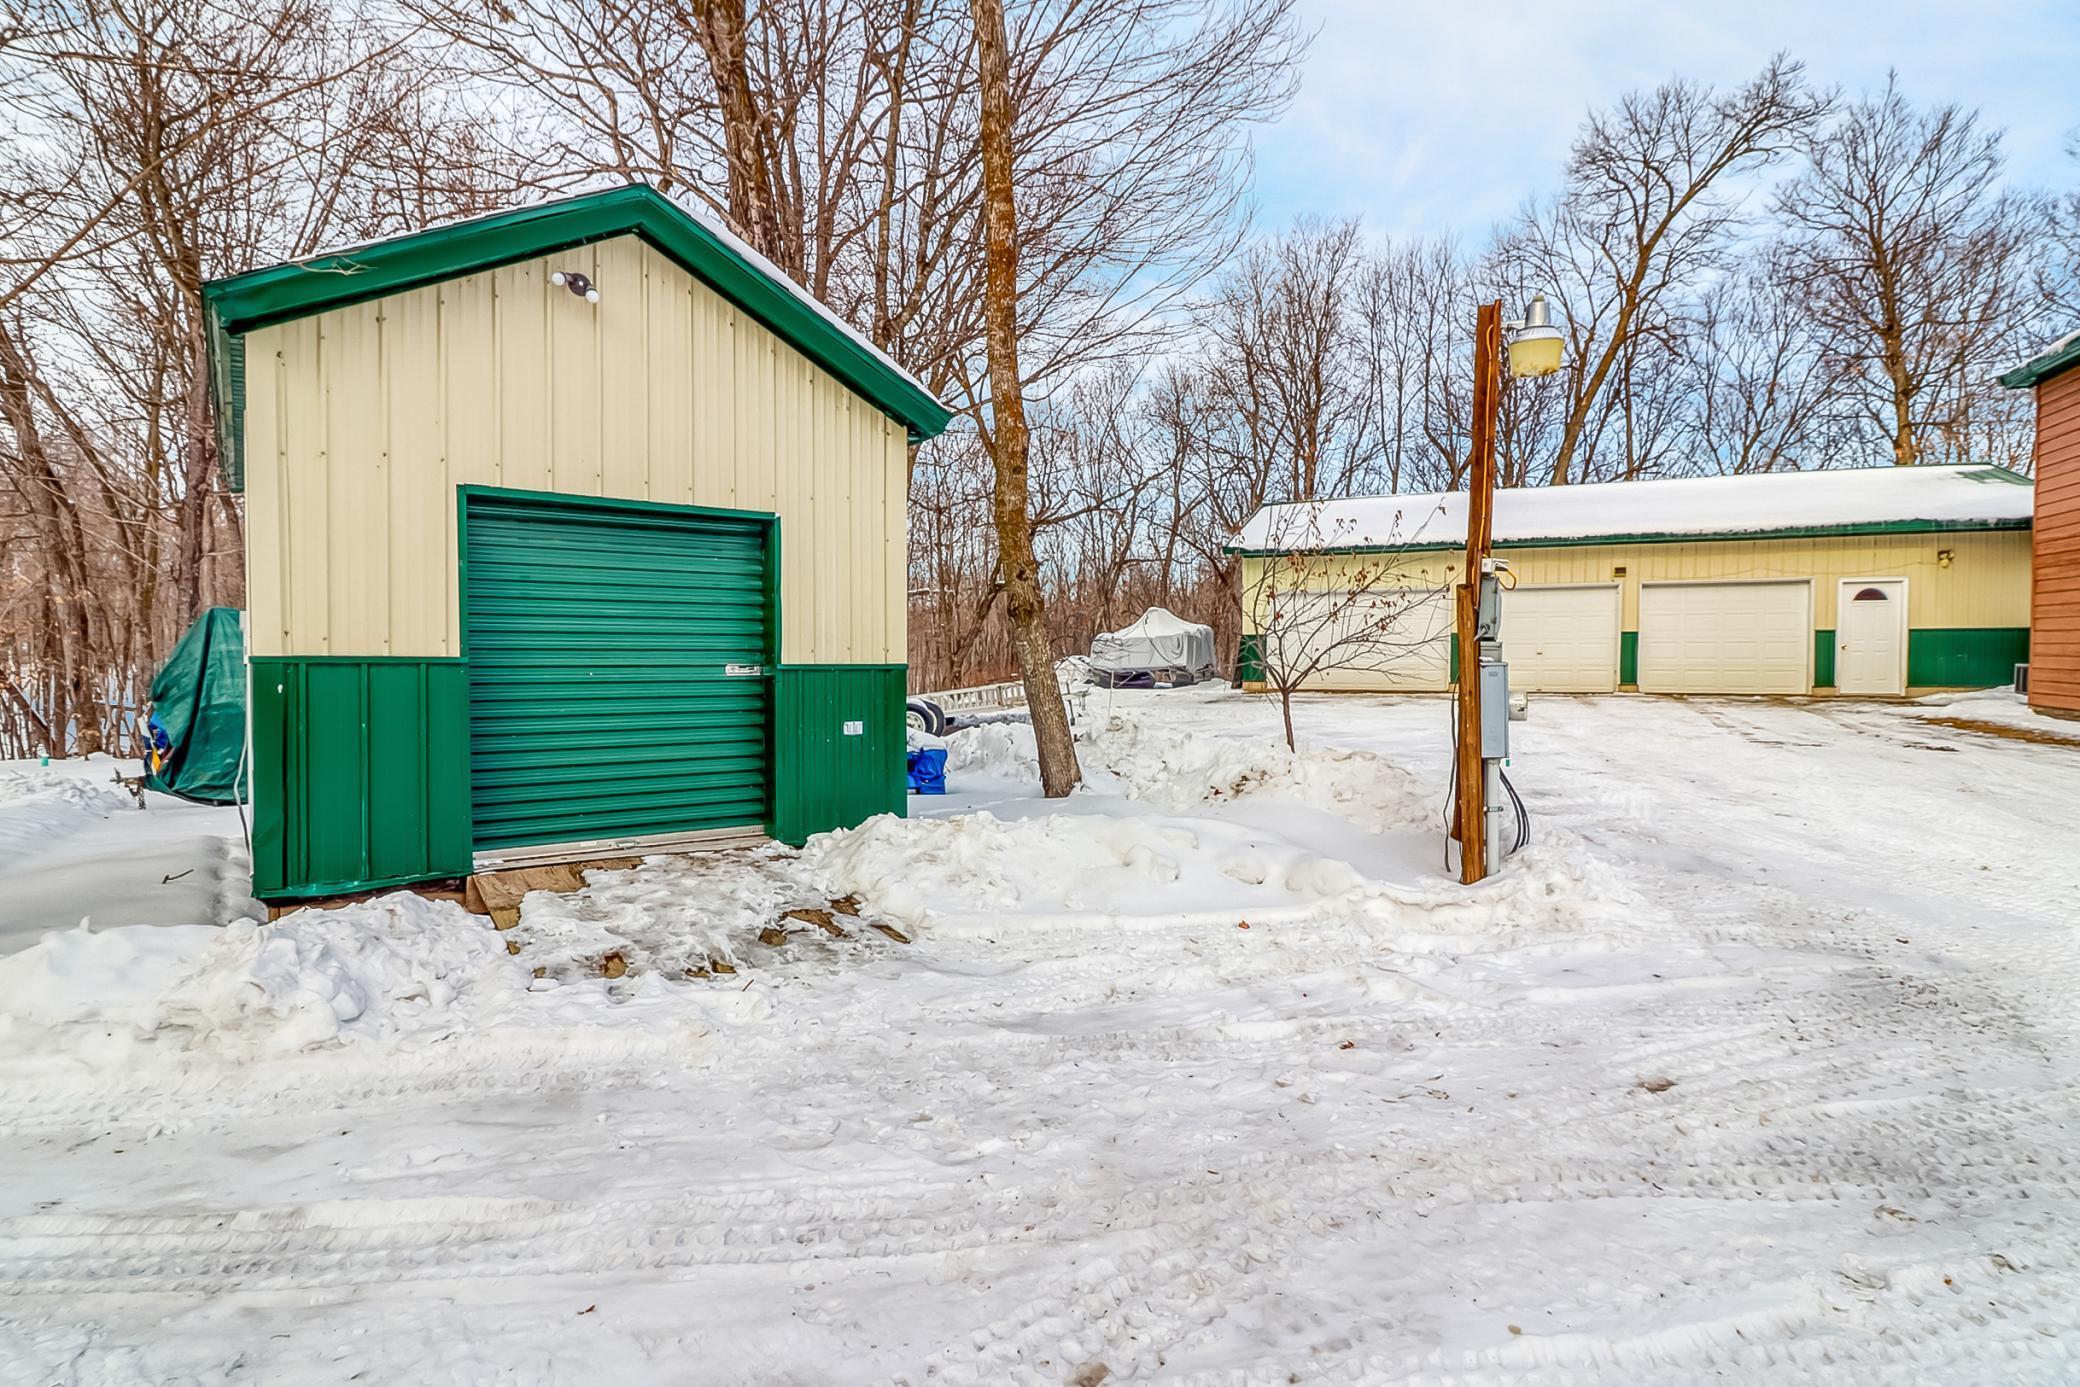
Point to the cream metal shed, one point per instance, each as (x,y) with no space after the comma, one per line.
(1877,581)
(573,529)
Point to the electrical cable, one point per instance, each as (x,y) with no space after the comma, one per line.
(1523,814)
(1451,784)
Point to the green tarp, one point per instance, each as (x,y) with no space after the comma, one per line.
(199,697)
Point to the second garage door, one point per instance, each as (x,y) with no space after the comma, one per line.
(1561,639)
(1738,638)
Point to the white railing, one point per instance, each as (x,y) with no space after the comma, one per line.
(1009,694)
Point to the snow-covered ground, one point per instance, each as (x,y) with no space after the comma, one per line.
(1758,1065)
(73,842)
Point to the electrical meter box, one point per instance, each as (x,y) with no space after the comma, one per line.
(1494,710)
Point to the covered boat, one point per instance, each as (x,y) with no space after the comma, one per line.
(1161,648)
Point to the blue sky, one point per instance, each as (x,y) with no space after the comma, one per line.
(1443,116)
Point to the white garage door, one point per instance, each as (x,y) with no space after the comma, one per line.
(1561,639)
(1745,638)
(1381,641)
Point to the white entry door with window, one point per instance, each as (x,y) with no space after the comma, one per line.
(1870,638)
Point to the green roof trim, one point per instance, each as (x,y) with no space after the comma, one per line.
(301,288)
(2038,369)
(1875,527)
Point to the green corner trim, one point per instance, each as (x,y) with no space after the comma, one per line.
(360,773)
(1970,657)
(1823,658)
(1628,657)
(282,293)
(2044,366)
(824,777)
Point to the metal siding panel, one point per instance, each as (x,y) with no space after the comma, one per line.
(895,561)
(273,814)
(466,356)
(397,771)
(824,779)
(334,752)
(358,774)
(573,328)
(357,570)
(620,344)
(721,417)
(526,398)
(306,481)
(1973,658)
(266,617)
(656,423)
(598,639)
(245,302)
(415,438)
(712,397)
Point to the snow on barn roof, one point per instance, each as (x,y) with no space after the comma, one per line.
(1762,505)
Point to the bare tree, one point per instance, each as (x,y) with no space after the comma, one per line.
(1322,599)
(1649,210)
(156,144)
(1756,389)
(1914,263)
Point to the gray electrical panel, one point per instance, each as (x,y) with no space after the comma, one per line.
(1494,710)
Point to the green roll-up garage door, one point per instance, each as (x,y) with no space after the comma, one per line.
(619,669)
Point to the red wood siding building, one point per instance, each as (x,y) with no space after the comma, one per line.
(2054,662)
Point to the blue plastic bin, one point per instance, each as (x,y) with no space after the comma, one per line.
(927,774)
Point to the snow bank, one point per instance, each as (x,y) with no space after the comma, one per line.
(38,804)
(2002,705)
(1175,770)
(1134,753)
(1068,868)
(995,749)
(381,970)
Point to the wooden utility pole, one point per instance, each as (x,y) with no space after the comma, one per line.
(1487,400)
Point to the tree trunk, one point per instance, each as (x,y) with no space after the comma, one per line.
(1022,594)
(720,26)
(1905,451)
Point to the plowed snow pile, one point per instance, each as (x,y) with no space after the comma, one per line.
(395,968)
(37,806)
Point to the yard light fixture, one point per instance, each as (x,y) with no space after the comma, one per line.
(1534,343)
(576,282)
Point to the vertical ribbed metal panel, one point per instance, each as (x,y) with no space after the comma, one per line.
(840,752)
(359,773)
(600,640)
(363,422)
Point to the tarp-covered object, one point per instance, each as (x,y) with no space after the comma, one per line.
(199,697)
(1160,640)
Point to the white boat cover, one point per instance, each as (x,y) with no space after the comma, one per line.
(1159,640)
